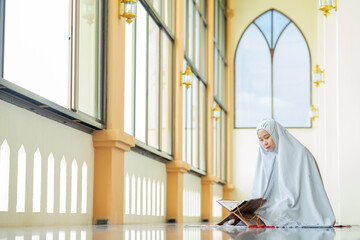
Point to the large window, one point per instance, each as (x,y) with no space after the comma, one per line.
(194,98)
(52,50)
(220,87)
(272,73)
(148,76)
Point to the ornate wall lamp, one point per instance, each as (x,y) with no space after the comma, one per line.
(314,112)
(327,5)
(318,76)
(186,77)
(216,112)
(127,9)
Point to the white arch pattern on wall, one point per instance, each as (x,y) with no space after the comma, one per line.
(21,180)
(144,196)
(50,184)
(4,175)
(39,168)
(37,182)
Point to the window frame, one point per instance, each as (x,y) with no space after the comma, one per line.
(163,29)
(198,76)
(71,115)
(272,78)
(223,151)
(220,84)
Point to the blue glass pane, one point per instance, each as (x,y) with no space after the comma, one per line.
(279,23)
(252,79)
(264,23)
(292,79)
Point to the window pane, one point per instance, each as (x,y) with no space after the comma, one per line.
(202,126)
(169,13)
(184,105)
(203,7)
(157,5)
(153,86)
(188,124)
(215,145)
(220,31)
(220,80)
(191,29)
(279,22)
(264,23)
(224,85)
(186,27)
(216,10)
(166,86)
(203,49)
(216,70)
(292,79)
(223,145)
(218,148)
(37,47)
(129,79)
(195,123)
(89,88)
(223,36)
(141,50)
(252,79)
(197,40)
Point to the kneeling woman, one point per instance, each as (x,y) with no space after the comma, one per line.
(287,176)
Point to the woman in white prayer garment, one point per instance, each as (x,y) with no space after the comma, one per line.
(288,177)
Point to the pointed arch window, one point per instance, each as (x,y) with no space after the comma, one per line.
(272,73)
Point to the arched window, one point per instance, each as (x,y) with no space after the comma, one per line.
(272,73)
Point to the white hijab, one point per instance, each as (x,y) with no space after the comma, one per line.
(289,179)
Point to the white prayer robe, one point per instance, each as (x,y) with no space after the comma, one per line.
(289,179)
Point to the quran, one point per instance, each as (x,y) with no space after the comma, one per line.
(246,211)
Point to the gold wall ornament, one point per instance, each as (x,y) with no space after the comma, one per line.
(186,77)
(314,112)
(127,9)
(327,5)
(216,112)
(318,75)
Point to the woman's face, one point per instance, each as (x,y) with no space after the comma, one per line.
(266,140)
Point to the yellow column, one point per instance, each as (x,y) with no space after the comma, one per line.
(176,169)
(208,181)
(228,187)
(111,144)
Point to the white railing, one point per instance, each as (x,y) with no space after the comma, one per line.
(145,189)
(217,194)
(144,196)
(192,198)
(46,171)
(33,171)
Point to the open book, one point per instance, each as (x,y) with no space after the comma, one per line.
(230,205)
(244,211)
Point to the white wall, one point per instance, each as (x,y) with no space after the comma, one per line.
(191,198)
(342,103)
(20,127)
(333,138)
(245,142)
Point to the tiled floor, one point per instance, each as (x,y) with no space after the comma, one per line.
(174,231)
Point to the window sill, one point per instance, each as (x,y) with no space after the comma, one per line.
(23,98)
(151,152)
(197,171)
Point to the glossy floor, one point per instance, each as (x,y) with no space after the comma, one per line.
(174,231)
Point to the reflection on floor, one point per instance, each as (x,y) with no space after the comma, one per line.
(175,231)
